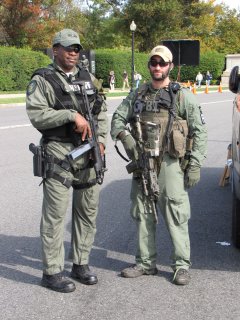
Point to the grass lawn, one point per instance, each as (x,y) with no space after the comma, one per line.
(117,93)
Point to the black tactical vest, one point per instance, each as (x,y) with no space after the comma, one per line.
(64,101)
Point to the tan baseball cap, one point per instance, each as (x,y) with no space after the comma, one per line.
(162,52)
(66,37)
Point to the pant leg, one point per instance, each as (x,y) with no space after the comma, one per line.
(175,208)
(146,227)
(55,203)
(54,207)
(84,214)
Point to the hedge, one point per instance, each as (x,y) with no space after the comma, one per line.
(112,59)
(17,66)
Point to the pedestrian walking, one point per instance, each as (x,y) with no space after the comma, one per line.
(125,80)
(199,79)
(111,80)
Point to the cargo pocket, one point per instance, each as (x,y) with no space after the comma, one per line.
(179,211)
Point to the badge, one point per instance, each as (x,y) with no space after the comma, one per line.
(138,106)
(31,87)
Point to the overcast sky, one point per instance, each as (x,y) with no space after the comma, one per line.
(233,4)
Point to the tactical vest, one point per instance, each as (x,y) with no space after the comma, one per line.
(64,100)
(161,129)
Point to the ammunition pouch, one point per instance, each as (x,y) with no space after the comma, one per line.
(178,137)
(133,166)
(154,128)
(97,104)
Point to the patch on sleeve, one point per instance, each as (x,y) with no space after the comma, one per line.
(202,116)
(31,87)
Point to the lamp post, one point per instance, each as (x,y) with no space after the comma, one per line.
(133,29)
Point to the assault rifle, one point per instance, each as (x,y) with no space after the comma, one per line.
(145,165)
(91,143)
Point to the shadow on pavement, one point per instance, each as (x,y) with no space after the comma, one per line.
(115,242)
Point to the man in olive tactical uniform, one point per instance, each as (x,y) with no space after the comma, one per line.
(167,145)
(57,101)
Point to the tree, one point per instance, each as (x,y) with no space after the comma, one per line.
(27,22)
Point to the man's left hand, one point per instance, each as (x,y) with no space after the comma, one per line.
(192,176)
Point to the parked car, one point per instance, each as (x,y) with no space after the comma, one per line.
(234,86)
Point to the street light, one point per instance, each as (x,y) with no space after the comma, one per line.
(133,29)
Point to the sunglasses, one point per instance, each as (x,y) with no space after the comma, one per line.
(72,49)
(154,63)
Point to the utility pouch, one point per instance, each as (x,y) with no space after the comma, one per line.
(178,137)
(38,158)
(132,166)
(185,160)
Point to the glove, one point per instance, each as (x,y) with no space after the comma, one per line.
(192,176)
(129,145)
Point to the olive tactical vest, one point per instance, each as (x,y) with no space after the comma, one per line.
(161,129)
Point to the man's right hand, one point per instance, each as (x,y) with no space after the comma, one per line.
(82,126)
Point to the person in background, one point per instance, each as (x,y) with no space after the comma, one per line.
(199,79)
(208,78)
(111,80)
(137,79)
(125,80)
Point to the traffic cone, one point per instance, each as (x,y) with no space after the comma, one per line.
(220,88)
(194,90)
(206,89)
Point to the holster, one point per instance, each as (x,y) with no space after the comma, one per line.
(38,159)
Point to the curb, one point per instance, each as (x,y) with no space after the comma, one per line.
(11,105)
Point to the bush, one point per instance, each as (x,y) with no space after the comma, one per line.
(118,61)
(18,66)
(210,61)
(112,59)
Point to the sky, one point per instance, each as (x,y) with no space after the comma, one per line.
(233,4)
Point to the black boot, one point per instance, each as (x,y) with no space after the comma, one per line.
(83,274)
(57,282)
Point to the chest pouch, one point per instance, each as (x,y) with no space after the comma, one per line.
(178,139)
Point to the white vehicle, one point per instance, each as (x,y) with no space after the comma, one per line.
(234,86)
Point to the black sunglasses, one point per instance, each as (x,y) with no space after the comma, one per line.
(72,49)
(154,63)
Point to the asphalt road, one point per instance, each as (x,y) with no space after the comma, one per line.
(214,292)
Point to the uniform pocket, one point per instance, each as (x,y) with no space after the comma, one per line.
(179,211)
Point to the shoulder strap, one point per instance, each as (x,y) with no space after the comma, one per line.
(42,72)
(74,98)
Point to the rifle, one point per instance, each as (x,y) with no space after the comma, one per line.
(145,165)
(91,143)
